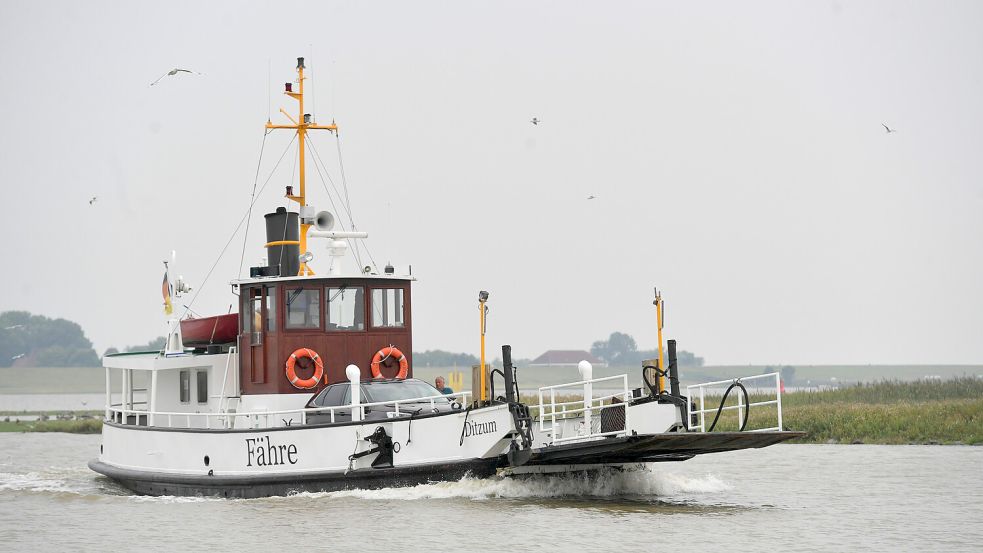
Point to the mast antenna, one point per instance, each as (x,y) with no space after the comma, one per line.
(301,125)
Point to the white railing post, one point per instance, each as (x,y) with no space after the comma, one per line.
(627,399)
(740,407)
(587,373)
(153,397)
(225,378)
(778,398)
(109,395)
(703,420)
(553,412)
(122,392)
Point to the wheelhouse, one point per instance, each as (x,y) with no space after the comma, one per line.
(345,321)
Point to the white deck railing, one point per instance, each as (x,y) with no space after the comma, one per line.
(261,419)
(698,392)
(560,416)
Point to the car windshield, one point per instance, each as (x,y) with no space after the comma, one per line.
(331,396)
(398,391)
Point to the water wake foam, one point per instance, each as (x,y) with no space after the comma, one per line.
(71,482)
(639,483)
(34,482)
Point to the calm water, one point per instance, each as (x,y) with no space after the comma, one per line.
(787,497)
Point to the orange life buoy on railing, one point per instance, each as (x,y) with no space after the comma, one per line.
(306,383)
(384,353)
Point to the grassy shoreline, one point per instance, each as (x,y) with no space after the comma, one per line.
(73,426)
(891,412)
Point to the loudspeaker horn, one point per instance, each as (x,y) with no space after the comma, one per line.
(325,220)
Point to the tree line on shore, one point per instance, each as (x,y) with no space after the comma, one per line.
(621,349)
(37,341)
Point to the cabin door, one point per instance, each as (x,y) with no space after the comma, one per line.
(259,336)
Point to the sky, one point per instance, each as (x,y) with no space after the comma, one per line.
(736,152)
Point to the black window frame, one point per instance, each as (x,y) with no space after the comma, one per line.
(319,290)
(402,310)
(199,389)
(184,387)
(327,302)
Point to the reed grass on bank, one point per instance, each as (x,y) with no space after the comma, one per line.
(76,426)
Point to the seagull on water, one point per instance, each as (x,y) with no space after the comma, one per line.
(173,72)
(535,120)
(887,129)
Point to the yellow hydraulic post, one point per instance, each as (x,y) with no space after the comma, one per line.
(482,298)
(302,124)
(662,358)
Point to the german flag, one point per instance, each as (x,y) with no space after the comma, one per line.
(165,289)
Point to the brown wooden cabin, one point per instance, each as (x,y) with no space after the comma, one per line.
(346,320)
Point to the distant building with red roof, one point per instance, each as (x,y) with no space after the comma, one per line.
(565,358)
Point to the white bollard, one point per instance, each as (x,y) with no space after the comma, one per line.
(587,373)
(354,375)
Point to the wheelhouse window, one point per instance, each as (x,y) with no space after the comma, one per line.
(303,308)
(252,315)
(387,307)
(271,308)
(185,386)
(345,308)
(202,388)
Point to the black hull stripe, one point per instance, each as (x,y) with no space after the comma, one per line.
(265,485)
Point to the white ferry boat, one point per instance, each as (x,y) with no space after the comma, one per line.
(309,387)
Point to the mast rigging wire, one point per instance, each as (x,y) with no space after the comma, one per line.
(245,217)
(347,208)
(252,200)
(286,203)
(344,181)
(316,159)
(344,184)
(345,203)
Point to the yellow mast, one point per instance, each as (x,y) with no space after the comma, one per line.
(482,298)
(302,124)
(662,360)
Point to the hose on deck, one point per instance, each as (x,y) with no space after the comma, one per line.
(747,406)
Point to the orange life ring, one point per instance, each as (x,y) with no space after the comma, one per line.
(306,383)
(391,351)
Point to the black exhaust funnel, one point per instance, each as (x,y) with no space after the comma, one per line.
(283,225)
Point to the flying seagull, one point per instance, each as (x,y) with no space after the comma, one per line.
(535,120)
(16,357)
(173,72)
(591,197)
(13,327)
(887,129)
(93,200)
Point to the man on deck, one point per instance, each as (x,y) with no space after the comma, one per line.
(439,384)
